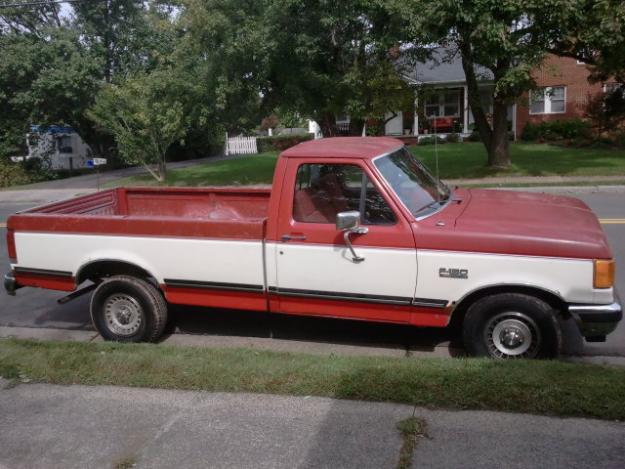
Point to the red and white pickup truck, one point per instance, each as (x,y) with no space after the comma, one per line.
(353,228)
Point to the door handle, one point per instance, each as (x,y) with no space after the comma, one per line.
(293,237)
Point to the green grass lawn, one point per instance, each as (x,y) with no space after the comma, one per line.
(468,160)
(456,160)
(538,387)
(257,169)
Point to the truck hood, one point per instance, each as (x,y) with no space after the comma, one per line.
(536,224)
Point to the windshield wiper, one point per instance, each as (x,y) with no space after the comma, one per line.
(430,205)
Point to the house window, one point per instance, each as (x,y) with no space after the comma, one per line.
(548,100)
(65,144)
(431,107)
(443,104)
(610,88)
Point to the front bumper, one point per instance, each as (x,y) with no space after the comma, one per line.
(10,284)
(596,321)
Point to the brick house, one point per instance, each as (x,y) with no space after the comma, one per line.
(563,92)
(441,102)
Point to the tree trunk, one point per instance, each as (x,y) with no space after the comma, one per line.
(162,169)
(328,124)
(499,148)
(495,138)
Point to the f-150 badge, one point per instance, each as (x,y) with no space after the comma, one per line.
(453,273)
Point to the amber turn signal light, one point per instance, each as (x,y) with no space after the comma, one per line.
(604,273)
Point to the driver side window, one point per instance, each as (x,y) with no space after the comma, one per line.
(324,190)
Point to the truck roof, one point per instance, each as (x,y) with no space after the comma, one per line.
(344,147)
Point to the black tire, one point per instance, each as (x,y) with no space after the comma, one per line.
(128,309)
(511,325)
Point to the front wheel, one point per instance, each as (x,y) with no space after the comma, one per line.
(511,325)
(128,309)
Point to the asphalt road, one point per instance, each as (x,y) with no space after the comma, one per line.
(38,308)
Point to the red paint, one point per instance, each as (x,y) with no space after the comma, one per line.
(11,246)
(216,298)
(399,314)
(343,147)
(49,282)
(515,223)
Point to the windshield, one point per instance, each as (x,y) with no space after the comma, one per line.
(417,188)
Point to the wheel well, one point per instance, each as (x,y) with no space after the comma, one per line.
(548,297)
(107,268)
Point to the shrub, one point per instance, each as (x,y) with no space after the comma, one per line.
(12,174)
(281,142)
(473,137)
(375,129)
(606,110)
(557,130)
(619,138)
(430,139)
(530,132)
(453,138)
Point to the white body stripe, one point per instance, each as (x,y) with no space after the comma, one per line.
(387,272)
(171,258)
(571,279)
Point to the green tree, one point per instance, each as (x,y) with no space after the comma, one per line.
(593,31)
(116,30)
(508,37)
(145,115)
(48,79)
(331,58)
(30,20)
(317,58)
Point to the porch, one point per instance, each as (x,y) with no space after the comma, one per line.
(440,110)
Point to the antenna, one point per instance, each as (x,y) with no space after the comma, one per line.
(436,147)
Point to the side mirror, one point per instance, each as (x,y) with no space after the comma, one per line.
(348,220)
(349,223)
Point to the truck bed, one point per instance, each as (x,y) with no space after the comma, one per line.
(205,212)
(202,203)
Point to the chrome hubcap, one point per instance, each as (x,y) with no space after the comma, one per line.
(512,335)
(123,314)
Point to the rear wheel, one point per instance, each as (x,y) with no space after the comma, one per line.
(128,309)
(511,325)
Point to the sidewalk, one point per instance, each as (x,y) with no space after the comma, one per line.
(115,427)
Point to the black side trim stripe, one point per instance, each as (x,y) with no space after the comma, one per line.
(213,285)
(395,300)
(54,273)
(429,302)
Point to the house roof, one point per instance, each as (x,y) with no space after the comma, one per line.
(51,129)
(443,66)
(344,147)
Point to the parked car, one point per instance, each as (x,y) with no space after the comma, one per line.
(352,228)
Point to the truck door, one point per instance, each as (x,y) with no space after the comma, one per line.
(315,271)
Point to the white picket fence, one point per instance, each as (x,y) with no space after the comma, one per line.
(241,146)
